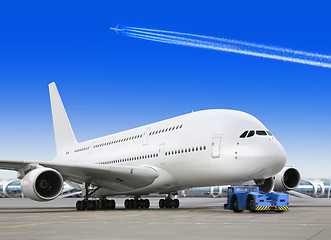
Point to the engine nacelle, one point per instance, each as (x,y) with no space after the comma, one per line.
(268,185)
(287,179)
(42,184)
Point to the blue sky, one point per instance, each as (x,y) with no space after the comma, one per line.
(110,82)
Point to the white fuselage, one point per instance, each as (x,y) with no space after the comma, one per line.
(198,149)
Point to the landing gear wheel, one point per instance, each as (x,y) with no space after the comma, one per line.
(79,205)
(131,204)
(146,203)
(169,203)
(175,203)
(91,205)
(136,204)
(162,203)
(83,205)
(112,204)
(141,203)
(126,203)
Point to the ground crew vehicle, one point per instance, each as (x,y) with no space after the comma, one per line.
(249,198)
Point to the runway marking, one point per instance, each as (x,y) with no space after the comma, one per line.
(83,219)
(316,234)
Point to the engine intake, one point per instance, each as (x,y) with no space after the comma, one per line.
(287,179)
(268,185)
(42,184)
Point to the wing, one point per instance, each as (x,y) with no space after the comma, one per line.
(116,178)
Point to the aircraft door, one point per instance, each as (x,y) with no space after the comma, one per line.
(161,153)
(145,136)
(91,148)
(216,147)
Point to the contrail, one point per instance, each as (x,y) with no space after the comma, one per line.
(226,45)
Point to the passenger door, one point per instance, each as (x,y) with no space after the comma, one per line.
(216,147)
(161,154)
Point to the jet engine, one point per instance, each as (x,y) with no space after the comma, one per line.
(287,179)
(267,186)
(42,184)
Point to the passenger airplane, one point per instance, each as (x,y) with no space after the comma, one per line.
(204,148)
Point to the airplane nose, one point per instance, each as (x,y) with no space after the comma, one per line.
(276,158)
(266,158)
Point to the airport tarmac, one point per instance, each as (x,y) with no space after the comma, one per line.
(197,218)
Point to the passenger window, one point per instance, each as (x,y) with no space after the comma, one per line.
(251,133)
(243,135)
(260,132)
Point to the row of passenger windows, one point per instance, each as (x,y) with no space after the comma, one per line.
(118,141)
(131,158)
(131,138)
(251,133)
(81,149)
(109,143)
(186,150)
(166,129)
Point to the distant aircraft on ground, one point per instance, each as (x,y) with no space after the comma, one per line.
(204,148)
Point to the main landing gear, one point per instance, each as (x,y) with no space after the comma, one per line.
(95,204)
(168,202)
(136,203)
(86,204)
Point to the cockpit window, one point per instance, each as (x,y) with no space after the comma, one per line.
(269,133)
(243,135)
(251,133)
(260,132)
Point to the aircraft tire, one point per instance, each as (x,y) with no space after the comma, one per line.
(162,203)
(79,205)
(91,205)
(169,203)
(112,204)
(175,203)
(146,203)
(83,205)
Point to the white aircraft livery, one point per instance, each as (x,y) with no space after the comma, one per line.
(203,148)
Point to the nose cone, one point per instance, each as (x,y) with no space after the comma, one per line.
(266,157)
(275,158)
